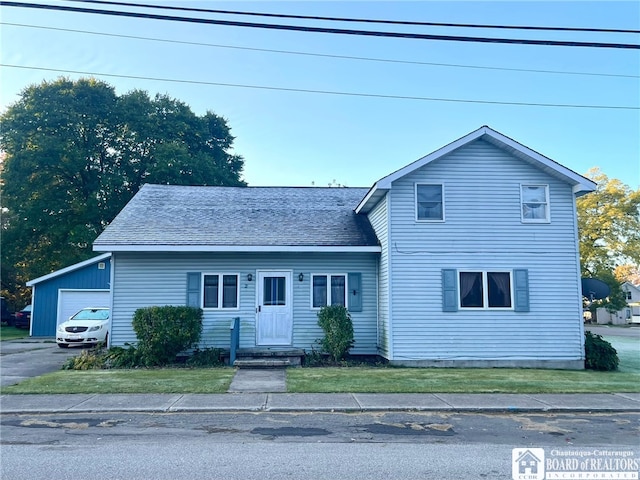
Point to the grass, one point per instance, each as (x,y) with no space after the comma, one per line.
(12,333)
(628,349)
(458,380)
(166,380)
(353,379)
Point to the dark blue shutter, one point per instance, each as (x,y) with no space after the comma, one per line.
(355,292)
(521,289)
(449,290)
(193,289)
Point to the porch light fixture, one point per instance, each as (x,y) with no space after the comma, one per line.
(249,277)
(301,277)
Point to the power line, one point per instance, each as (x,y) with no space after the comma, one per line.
(359,20)
(326,92)
(325,55)
(299,28)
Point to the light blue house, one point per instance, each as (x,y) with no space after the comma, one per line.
(60,294)
(465,257)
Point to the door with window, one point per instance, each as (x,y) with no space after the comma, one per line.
(274,322)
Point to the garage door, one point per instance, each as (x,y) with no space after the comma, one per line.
(70,301)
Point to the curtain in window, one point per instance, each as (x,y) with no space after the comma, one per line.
(337,290)
(319,291)
(229,291)
(471,289)
(499,289)
(429,202)
(534,202)
(210,291)
(274,291)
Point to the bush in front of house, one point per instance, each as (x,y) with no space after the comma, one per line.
(336,322)
(599,354)
(164,332)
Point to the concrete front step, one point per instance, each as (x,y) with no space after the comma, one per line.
(263,363)
(268,357)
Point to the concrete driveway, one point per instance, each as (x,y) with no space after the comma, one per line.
(25,358)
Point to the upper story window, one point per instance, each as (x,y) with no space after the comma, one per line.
(328,290)
(429,202)
(629,295)
(220,291)
(535,203)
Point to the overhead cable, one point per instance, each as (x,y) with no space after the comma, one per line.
(339,31)
(358,20)
(326,55)
(326,92)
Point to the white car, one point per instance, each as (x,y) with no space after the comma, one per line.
(87,327)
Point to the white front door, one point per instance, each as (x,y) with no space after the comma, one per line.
(274,322)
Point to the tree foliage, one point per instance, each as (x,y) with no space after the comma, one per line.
(608,225)
(609,235)
(75,153)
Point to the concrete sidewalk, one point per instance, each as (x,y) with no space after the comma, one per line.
(318,402)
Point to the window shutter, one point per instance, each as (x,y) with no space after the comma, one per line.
(355,292)
(449,290)
(193,289)
(521,289)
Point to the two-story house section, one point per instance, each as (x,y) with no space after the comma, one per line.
(466,257)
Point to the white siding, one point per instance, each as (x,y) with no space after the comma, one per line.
(483,230)
(147,279)
(379,219)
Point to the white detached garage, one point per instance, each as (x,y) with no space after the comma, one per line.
(62,293)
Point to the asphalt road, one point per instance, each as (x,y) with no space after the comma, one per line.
(384,445)
(611,331)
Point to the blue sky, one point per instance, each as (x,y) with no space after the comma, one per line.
(293,138)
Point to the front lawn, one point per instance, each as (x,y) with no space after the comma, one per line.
(166,380)
(12,333)
(458,380)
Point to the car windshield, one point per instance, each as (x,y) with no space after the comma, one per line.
(91,314)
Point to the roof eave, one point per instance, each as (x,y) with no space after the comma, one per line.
(68,269)
(238,248)
(580,184)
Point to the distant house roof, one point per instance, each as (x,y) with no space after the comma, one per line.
(188,218)
(69,269)
(580,184)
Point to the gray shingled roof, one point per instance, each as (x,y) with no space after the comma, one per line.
(232,216)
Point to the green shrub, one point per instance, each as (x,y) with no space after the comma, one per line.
(599,354)
(119,357)
(91,359)
(164,332)
(208,357)
(335,320)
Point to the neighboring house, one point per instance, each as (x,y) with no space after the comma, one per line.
(60,294)
(629,314)
(465,257)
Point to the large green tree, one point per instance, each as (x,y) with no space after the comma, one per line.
(609,233)
(75,153)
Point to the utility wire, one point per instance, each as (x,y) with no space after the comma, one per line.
(326,92)
(359,20)
(324,55)
(298,28)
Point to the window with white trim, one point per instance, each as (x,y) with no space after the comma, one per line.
(485,289)
(220,290)
(535,203)
(328,289)
(429,202)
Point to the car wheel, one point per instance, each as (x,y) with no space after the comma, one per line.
(106,340)
(63,345)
